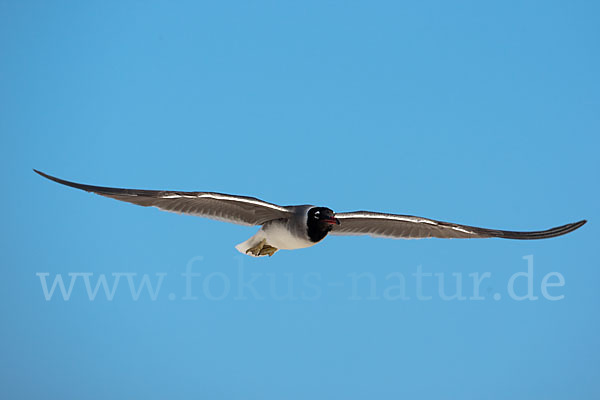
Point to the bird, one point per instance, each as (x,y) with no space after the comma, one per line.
(300,226)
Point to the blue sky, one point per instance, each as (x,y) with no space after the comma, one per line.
(476,113)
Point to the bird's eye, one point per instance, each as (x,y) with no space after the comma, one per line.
(317,214)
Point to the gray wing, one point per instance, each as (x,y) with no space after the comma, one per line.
(237,209)
(410,227)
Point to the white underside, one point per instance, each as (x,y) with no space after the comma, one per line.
(277,236)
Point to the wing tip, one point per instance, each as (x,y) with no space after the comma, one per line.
(40,173)
(87,188)
(578,224)
(43,174)
(547,234)
(572,226)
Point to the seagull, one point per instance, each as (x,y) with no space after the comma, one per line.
(301,226)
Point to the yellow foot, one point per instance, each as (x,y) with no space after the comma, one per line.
(268,250)
(256,250)
(262,249)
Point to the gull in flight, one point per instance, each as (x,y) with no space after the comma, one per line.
(297,227)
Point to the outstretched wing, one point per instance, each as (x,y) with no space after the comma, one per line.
(410,227)
(224,207)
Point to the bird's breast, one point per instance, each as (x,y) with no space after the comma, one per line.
(286,235)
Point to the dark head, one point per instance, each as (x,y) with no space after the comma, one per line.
(320,221)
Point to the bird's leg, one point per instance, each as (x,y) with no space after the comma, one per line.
(268,250)
(256,250)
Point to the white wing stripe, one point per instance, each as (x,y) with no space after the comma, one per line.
(228,198)
(400,218)
(390,217)
(456,228)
